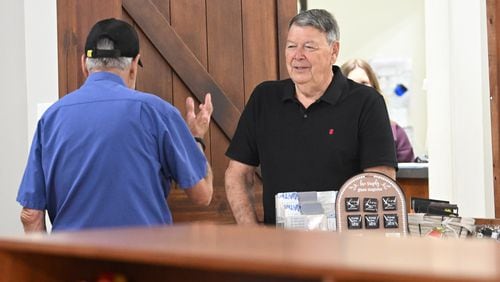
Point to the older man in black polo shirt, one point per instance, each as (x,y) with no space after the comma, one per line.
(311,132)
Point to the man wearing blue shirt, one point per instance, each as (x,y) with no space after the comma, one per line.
(105,154)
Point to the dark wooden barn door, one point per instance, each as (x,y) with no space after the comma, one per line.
(493,15)
(188,48)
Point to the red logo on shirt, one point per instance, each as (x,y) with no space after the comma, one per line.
(331,131)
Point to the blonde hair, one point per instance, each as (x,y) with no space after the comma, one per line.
(351,64)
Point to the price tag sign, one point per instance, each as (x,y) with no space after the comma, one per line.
(371,202)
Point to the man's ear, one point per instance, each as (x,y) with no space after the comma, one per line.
(84,67)
(135,64)
(335,51)
(134,67)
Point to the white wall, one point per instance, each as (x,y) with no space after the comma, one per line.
(458,97)
(382,30)
(41,57)
(28,77)
(447,42)
(13,108)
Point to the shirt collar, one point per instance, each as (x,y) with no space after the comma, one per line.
(332,94)
(103,75)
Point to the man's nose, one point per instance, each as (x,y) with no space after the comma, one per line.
(299,53)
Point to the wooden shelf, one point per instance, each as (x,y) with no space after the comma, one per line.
(204,252)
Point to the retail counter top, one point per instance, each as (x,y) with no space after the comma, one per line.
(205,252)
(412,170)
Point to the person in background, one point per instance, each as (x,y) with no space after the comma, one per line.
(311,132)
(361,72)
(105,154)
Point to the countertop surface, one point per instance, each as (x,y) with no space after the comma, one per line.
(413,170)
(275,252)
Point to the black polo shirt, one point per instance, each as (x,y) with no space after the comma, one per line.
(313,149)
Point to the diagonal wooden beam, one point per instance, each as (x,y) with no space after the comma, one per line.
(183,62)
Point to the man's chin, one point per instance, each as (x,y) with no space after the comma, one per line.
(299,79)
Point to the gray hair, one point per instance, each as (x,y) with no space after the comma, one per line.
(319,19)
(94,64)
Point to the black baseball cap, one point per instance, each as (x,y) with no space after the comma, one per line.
(123,35)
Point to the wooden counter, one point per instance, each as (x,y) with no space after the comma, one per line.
(413,180)
(205,252)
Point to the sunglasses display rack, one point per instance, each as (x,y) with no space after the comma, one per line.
(371,202)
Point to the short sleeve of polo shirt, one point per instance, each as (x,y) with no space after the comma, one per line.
(180,157)
(243,146)
(31,193)
(376,140)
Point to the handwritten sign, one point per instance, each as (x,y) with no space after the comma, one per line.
(371,202)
